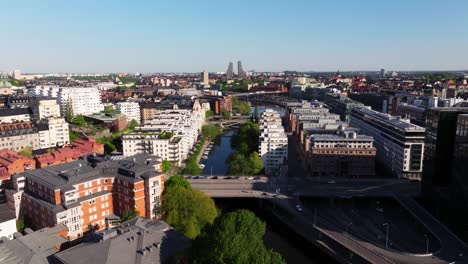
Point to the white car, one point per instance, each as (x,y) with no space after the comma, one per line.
(298,208)
(250,178)
(331,181)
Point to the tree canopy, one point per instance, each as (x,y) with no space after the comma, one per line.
(246,160)
(26,152)
(234,237)
(78,120)
(211,130)
(166,166)
(177,180)
(240,107)
(248,134)
(187,210)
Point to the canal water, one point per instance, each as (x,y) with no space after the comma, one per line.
(278,237)
(217,159)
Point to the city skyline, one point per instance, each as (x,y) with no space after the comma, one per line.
(166,37)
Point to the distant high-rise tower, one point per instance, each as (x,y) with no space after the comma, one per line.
(230,70)
(240,70)
(205,78)
(383,73)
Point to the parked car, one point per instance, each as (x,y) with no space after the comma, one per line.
(298,208)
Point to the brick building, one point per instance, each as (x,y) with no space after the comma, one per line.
(74,151)
(87,195)
(114,122)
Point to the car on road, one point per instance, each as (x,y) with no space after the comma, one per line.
(195,177)
(257,178)
(298,208)
(228,178)
(379,209)
(214,177)
(331,181)
(264,194)
(250,178)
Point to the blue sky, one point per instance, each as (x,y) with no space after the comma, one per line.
(188,35)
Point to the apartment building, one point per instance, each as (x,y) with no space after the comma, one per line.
(53,129)
(273,142)
(156,142)
(8,115)
(81,100)
(130,109)
(170,134)
(86,195)
(346,154)
(19,135)
(399,144)
(309,112)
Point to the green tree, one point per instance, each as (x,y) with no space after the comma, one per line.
(129,215)
(248,133)
(209,113)
(176,180)
(27,152)
(109,109)
(211,131)
(69,111)
(188,211)
(255,163)
(166,166)
(234,237)
(79,120)
(73,136)
(132,125)
(226,115)
(20,225)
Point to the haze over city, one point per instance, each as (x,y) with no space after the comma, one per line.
(189,36)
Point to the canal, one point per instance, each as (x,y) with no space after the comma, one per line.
(278,237)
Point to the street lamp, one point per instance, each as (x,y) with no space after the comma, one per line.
(386,237)
(427,244)
(348,225)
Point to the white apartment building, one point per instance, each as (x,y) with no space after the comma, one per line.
(399,144)
(43,108)
(273,142)
(185,126)
(83,100)
(53,132)
(130,109)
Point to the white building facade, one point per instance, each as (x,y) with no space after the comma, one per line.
(130,109)
(273,142)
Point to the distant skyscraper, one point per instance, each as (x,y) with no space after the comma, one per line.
(240,70)
(205,78)
(382,72)
(230,70)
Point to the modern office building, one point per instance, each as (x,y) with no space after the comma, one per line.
(399,144)
(445,178)
(273,142)
(130,109)
(88,195)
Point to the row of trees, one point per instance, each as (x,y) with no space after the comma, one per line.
(211,131)
(240,107)
(235,237)
(246,160)
(191,164)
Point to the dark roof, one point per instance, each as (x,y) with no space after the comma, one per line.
(134,168)
(15,111)
(136,241)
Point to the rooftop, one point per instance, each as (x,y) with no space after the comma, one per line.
(105,117)
(5,213)
(395,121)
(65,175)
(34,248)
(136,241)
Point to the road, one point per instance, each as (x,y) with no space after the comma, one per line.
(309,187)
(285,192)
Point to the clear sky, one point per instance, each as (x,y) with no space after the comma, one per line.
(190,35)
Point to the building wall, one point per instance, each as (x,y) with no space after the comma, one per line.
(8,228)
